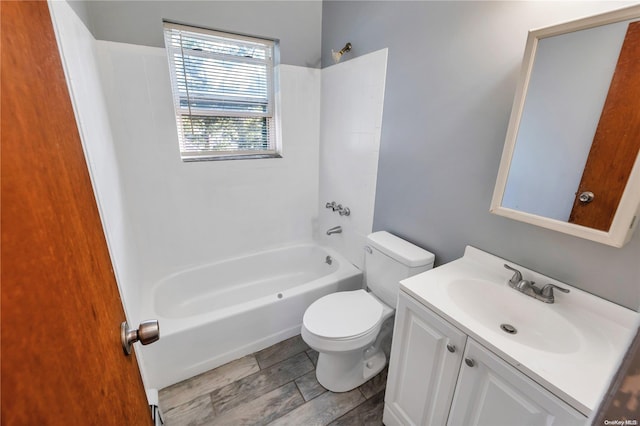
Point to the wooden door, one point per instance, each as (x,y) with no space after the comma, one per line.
(616,142)
(62,362)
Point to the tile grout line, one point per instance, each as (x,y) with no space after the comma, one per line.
(213,407)
(284,359)
(299,391)
(362,393)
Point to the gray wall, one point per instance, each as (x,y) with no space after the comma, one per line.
(297,24)
(451,78)
(80,8)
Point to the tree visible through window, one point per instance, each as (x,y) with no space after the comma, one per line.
(223,89)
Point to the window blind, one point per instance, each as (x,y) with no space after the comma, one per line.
(223,90)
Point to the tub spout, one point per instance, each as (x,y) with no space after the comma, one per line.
(334,230)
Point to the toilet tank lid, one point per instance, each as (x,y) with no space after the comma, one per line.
(403,251)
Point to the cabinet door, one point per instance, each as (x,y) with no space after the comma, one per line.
(422,369)
(490,392)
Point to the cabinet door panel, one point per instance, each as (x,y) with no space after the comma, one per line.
(493,393)
(422,371)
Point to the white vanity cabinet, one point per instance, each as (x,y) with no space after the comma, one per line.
(491,392)
(425,359)
(438,376)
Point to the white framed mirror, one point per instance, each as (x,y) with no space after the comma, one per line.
(571,159)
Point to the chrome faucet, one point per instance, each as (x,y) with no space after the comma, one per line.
(334,230)
(343,211)
(544,294)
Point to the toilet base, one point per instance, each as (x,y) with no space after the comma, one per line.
(342,372)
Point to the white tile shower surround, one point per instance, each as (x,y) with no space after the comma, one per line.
(275,386)
(351,123)
(187,214)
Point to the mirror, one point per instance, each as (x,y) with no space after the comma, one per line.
(571,159)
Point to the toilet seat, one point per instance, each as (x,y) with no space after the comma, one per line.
(344,316)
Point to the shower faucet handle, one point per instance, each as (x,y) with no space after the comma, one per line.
(343,211)
(332,205)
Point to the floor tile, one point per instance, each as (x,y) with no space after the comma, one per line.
(375,384)
(187,390)
(197,412)
(368,413)
(264,409)
(322,410)
(257,384)
(309,386)
(285,391)
(281,351)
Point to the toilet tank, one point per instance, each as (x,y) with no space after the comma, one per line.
(389,259)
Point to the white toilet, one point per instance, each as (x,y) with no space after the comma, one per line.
(344,327)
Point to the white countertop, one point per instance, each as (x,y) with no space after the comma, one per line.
(576,368)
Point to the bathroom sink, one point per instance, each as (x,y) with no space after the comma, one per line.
(526,322)
(571,346)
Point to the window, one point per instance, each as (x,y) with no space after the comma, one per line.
(223,92)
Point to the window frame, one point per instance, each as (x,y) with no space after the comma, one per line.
(271,115)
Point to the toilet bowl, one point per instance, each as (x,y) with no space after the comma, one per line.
(345,327)
(342,327)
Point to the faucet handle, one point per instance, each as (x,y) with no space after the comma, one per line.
(547,290)
(332,205)
(517,275)
(344,211)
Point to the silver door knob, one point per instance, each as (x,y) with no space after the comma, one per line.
(148,332)
(586,197)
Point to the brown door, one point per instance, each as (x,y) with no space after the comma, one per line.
(616,142)
(62,362)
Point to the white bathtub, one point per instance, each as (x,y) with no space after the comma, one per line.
(215,313)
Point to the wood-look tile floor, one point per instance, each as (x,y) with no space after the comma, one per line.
(275,386)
